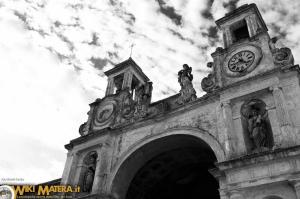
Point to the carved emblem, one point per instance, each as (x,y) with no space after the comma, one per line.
(142,101)
(283,57)
(125,108)
(187,91)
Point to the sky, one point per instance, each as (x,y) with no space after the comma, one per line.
(53,54)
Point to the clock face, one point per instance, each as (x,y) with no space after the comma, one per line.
(104,114)
(240,61)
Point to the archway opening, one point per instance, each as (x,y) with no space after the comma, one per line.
(173,167)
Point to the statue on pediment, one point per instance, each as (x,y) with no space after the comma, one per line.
(187,91)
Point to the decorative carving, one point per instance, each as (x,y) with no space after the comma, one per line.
(208,83)
(82,129)
(257,124)
(90,162)
(187,91)
(125,108)
(281,56)
(143,98)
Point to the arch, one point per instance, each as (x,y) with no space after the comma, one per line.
(139,149)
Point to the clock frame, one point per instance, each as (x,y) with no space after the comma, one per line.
(242,60)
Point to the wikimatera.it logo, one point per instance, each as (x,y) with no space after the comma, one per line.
(36,191)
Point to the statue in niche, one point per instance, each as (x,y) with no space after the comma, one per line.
(256,124)
(89,174)
(187,91)
(88,179)
(257,129)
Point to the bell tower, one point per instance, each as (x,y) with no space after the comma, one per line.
(242,24)
(125,75)
(248,50)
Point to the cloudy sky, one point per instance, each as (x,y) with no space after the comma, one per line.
(53,54)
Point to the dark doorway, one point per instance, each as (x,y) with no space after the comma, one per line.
(176,174)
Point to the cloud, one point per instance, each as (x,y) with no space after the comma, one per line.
(169,12)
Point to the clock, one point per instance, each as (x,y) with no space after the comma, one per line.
(242,60)
(104,114)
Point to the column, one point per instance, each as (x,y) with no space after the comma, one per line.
(287,137)
(103,168)
(70,168)
(96,183)
(227,118)
(228,36)
(251,24)
(296,185)
(110,86)
(127,80)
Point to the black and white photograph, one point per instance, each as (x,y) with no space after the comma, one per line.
(150,99)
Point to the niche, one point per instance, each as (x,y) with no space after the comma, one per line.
(88,172)
(256,126)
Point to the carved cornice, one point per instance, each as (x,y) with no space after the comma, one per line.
(259,157)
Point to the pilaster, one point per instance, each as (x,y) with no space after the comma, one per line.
(127,80)
(110,86)
(70,168)
(227,116)
(287,138)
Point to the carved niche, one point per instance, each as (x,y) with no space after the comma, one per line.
(256,126)
(187,91)
(88,171)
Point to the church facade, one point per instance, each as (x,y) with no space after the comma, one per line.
(238,141)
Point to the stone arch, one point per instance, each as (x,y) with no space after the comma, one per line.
(139,152)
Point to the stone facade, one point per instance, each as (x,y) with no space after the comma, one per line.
(125,130)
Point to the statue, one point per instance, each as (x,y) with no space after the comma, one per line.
(187,91)
(256,124)
(257,129)
(88,180)
(89,174)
